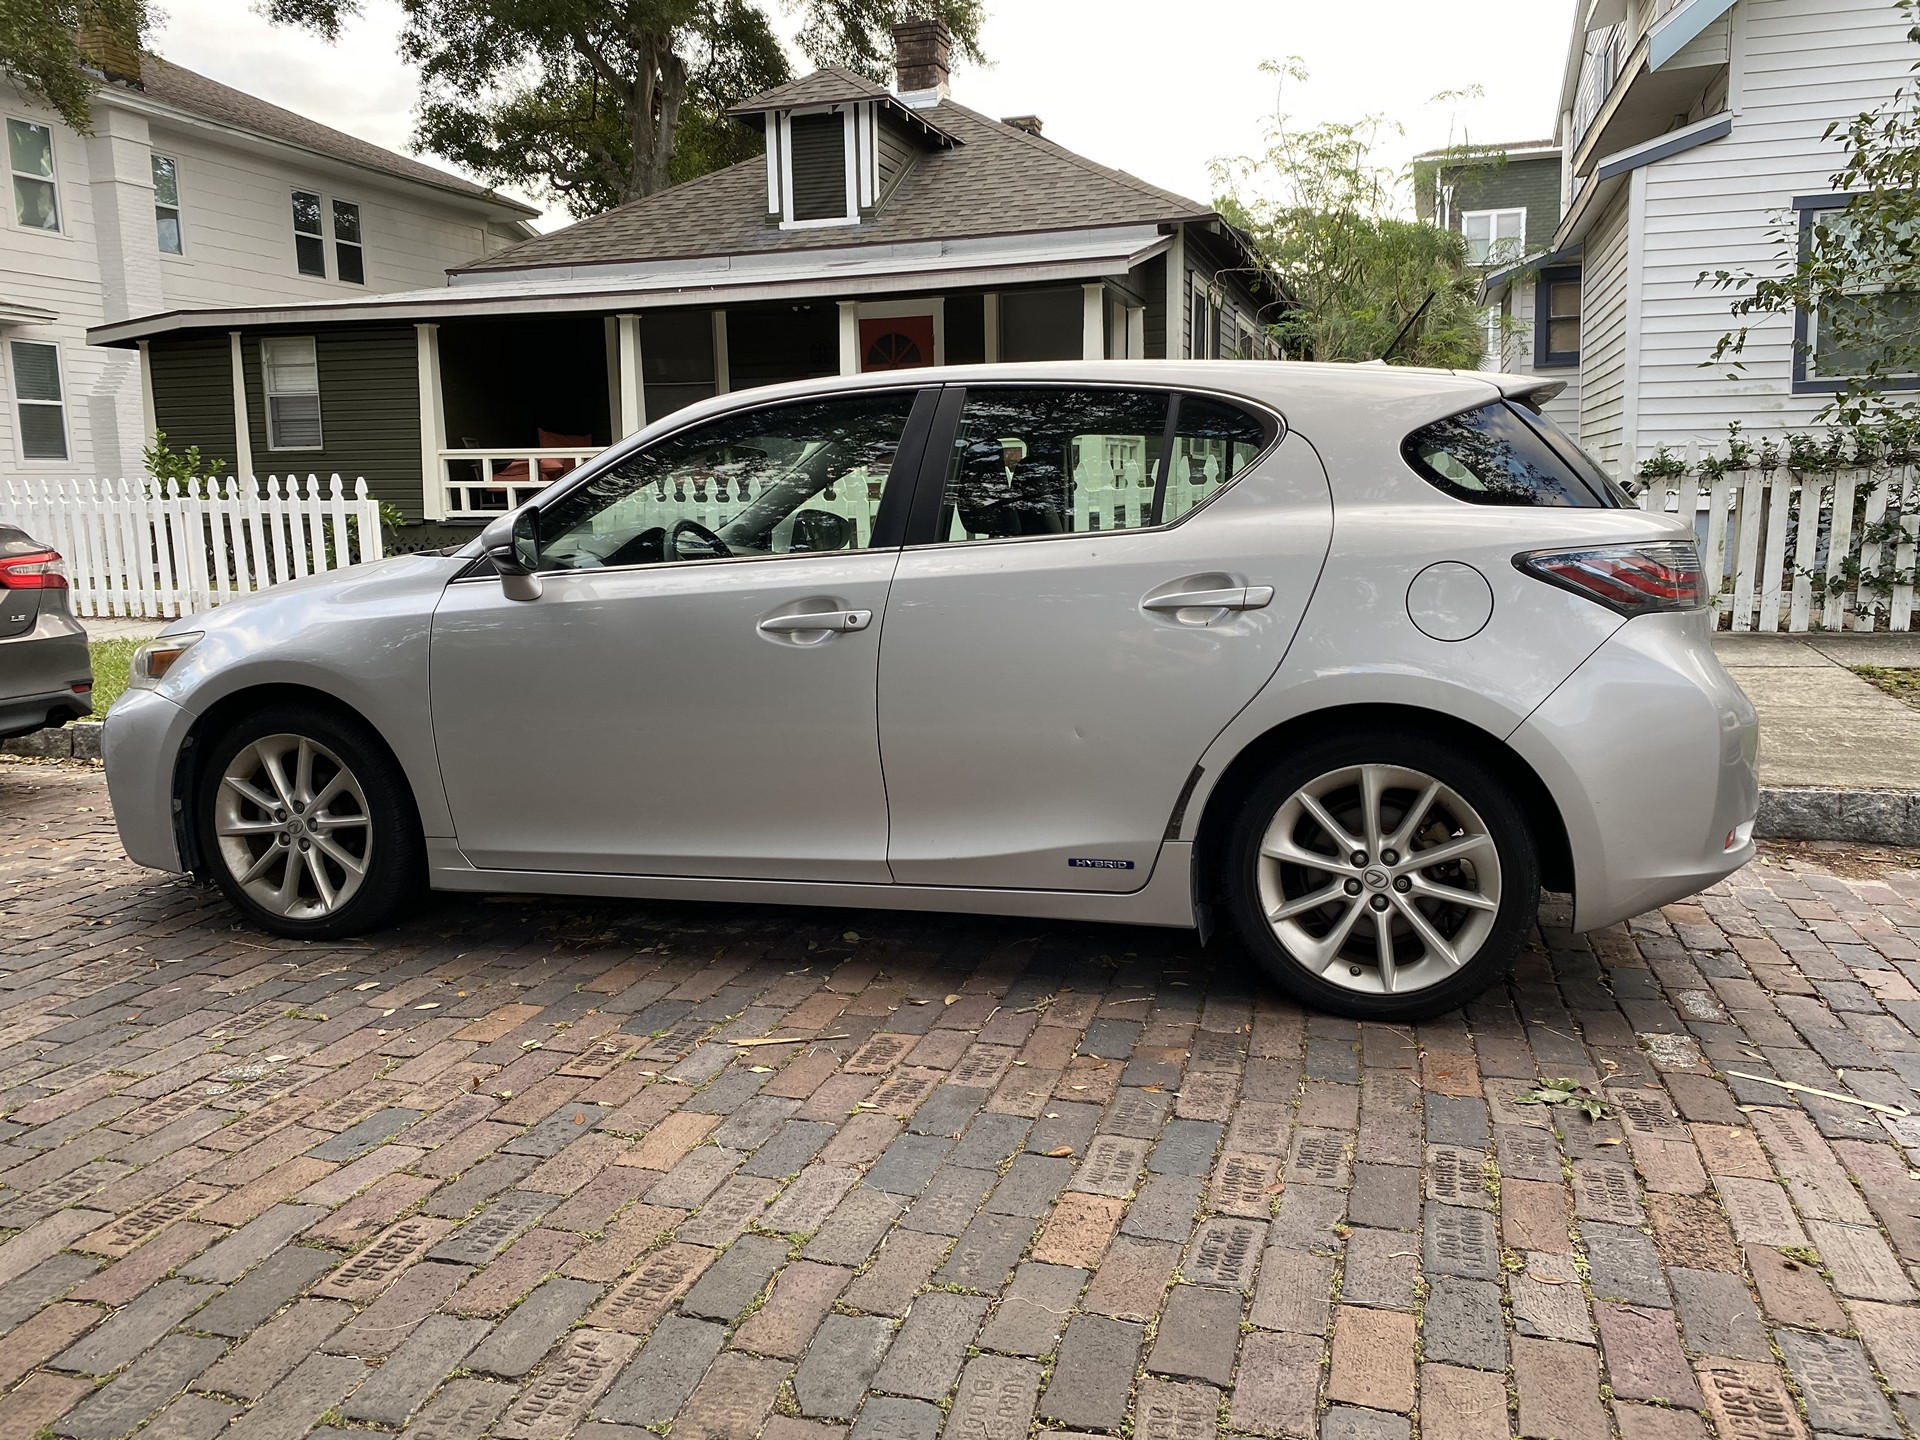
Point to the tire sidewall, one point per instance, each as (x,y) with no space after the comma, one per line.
(1519,872)
(396,845)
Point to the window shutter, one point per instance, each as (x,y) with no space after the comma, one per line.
(819,167)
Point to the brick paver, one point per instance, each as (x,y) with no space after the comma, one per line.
(509,1170)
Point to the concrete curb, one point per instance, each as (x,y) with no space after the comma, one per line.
(1867,817)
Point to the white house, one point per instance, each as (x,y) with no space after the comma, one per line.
(1692,131)
(187,194)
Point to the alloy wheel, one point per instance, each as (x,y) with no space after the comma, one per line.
(1379,879)
(293,826)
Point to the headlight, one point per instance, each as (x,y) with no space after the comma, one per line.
(153,660)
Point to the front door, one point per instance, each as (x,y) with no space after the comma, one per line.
(1059,652)
(904,342)
(693,693)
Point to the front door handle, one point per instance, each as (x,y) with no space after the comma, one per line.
(818,620)
(1238,597)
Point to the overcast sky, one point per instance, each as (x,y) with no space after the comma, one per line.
(1157,89)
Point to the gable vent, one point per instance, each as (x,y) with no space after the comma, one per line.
(819,167)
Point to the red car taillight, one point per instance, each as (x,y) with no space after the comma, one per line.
(1627,579)
(42,570)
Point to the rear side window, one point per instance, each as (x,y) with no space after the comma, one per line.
(1496,456)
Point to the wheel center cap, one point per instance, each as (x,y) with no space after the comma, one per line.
(1376,879)
(299,827)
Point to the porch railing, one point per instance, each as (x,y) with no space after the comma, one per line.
(1797,552)
(481,482)
(161,548)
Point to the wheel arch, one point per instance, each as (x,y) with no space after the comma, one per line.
(1264,750)
(190,763)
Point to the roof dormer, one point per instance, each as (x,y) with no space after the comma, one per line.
(837,144)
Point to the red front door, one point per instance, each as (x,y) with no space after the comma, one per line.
(903,343)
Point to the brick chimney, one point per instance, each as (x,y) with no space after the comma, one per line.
(922,62)
(1028,123)
(113,54)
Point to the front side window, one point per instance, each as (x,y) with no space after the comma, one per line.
(1867,328)
(36,199)
(349,260)
(309,240)
(794,479)
(1494,236)
(166,204)
(39,400)
(1501,454)
(292,373)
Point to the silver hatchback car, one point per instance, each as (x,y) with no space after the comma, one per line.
(1352,659)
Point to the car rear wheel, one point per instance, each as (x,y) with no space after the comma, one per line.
(307,823)
(1382,876)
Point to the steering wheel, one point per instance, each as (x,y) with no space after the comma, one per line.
(682,527)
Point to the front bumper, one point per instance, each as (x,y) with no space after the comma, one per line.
(1650,750)
(141,743)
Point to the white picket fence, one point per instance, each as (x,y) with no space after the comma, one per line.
(1796,552)
(159,549)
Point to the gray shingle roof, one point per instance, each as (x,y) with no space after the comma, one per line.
(829,85)
(999,181)
(189,91)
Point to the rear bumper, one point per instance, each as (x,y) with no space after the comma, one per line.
(140,744)
(39,670)
(24,714)
(1650,751)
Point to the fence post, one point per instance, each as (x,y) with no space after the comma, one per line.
(372,542)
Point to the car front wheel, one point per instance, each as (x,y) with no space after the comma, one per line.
(307,823)
(1382,877)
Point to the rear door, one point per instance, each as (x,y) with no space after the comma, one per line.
(1097,580)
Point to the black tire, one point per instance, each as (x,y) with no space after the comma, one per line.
(1505,824)
(396,855)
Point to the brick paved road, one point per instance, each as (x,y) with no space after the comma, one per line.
(508,1172)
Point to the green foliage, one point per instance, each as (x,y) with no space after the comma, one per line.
(1859,273)
(112,662)
(38,48)
(1565,1092)
(163,462)
(598,102)
(1369,284)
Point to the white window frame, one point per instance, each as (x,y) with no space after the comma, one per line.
(177,209)
(13,392)
(53,157)
(270,394)
(1495,255)
(850,116)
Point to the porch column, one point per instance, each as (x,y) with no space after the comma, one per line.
(433,470)
(722,378)
(990,305)
(849,337)
(1176,347)
(1136,332)
(1093,321)
(242,432)
(633,392)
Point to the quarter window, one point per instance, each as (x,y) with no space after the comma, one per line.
(1212,443)
(39,400)
(166,204)
(1498,455)
(36,199)
(292,373)
(349,260)
(309,241)
(1494,236)
(794,479)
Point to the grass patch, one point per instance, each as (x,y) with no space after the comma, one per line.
(110,661)
(1902,684)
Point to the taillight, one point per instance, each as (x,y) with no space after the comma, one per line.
(1627,579)
(42,570)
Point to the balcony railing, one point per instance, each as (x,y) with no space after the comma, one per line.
(1599,73)
(484,483)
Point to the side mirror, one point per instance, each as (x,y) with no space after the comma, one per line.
(513,544)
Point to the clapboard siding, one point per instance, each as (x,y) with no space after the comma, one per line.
(1604,337)
(1798,66)
(894,151)
(1152,280)
(369,412)
(193,395)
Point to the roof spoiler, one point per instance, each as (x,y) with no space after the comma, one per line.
(1528,387)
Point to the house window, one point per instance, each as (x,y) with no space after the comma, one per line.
(1204,343)
(293,392)
(1494,236)
(166,204)
(1556,318)
(39,400)
(349,261)
(817,176)
(309,240)
(1863,329)
(36,201)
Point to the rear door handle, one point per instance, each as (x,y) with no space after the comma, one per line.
(818,620)
(1238,597)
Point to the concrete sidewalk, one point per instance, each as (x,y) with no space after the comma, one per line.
(1822,725)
